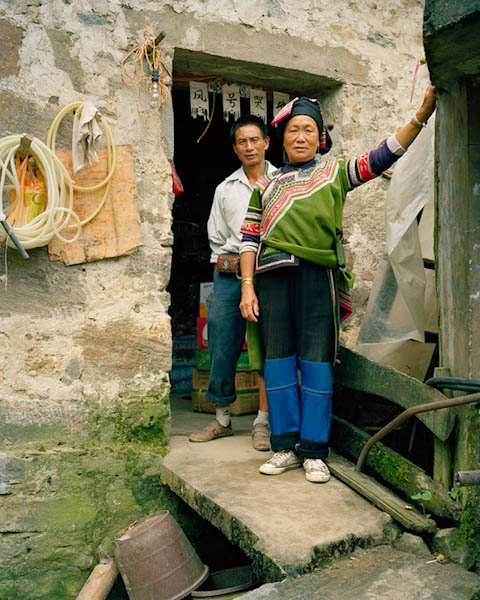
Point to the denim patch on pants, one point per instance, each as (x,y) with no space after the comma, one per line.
(226,334)
(298,331)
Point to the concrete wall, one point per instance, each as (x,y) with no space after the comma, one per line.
(454,26)
(85,349)
(451,39)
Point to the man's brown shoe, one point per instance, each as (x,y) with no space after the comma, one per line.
(261,437)
(212,431)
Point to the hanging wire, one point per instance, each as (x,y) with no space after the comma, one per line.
(143,68)
(216,82)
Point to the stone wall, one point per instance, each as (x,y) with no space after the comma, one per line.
(85,349)
(77,337)
(93,326)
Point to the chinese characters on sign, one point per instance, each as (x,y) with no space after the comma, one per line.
(258,103)
(231,101)
(279,101)
(199,99)
(231,94)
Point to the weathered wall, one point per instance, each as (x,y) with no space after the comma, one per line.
(359,59)
(455,25)
(91,327)
(75,337)
(85,349)
(458,261)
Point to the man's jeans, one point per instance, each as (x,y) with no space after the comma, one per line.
(226,334)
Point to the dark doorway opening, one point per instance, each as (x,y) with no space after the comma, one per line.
(201,167)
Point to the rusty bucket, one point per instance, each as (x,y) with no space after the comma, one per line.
(156,560)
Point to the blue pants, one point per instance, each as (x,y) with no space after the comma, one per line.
(298,333)
(226,335)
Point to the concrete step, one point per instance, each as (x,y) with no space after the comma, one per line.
(285,524)
(380,573)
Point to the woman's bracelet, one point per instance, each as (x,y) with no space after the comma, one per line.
(416,123)
(247,280)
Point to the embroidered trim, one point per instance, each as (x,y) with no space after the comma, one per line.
(284,112)
(274,259)
(288,189)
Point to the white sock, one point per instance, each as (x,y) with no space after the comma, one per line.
(262,418)
(222,414)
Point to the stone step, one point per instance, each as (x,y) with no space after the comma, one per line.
(376,573)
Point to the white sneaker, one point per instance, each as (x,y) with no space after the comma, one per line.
(280,462)
(316,470)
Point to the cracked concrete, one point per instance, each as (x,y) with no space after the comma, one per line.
(284,523)
(323,540)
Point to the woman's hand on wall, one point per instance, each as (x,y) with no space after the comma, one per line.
(407,134)
(428,105)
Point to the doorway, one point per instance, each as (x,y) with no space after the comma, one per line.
(201,166)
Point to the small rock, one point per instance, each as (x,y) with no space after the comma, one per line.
(412,544)
(73,369)
(452,544)
(83,560)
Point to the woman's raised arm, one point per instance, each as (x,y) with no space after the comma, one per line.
(407,134)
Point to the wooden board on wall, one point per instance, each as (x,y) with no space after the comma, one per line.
(116,230)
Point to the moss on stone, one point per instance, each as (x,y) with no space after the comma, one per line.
(65,505)
(143,423)
(61,585)
(140,415)
(470,524)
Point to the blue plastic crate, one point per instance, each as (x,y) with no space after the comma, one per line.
(181,377)
(183,349)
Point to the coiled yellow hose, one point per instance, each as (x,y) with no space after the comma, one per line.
(111,156)
(40,230)
(60,187)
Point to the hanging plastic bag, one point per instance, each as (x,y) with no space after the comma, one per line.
(32,200)
(177,183)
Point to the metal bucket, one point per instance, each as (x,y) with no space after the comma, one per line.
(156,560)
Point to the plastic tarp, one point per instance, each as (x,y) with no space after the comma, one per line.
(393,328)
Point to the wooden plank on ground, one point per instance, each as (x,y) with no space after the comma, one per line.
(100,582)
(359,373)
(116,230)
(379,495)
(396,470)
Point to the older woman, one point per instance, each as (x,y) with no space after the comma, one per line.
(292,244)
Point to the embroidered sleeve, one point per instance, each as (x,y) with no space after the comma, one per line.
(251,225)
(374,163)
